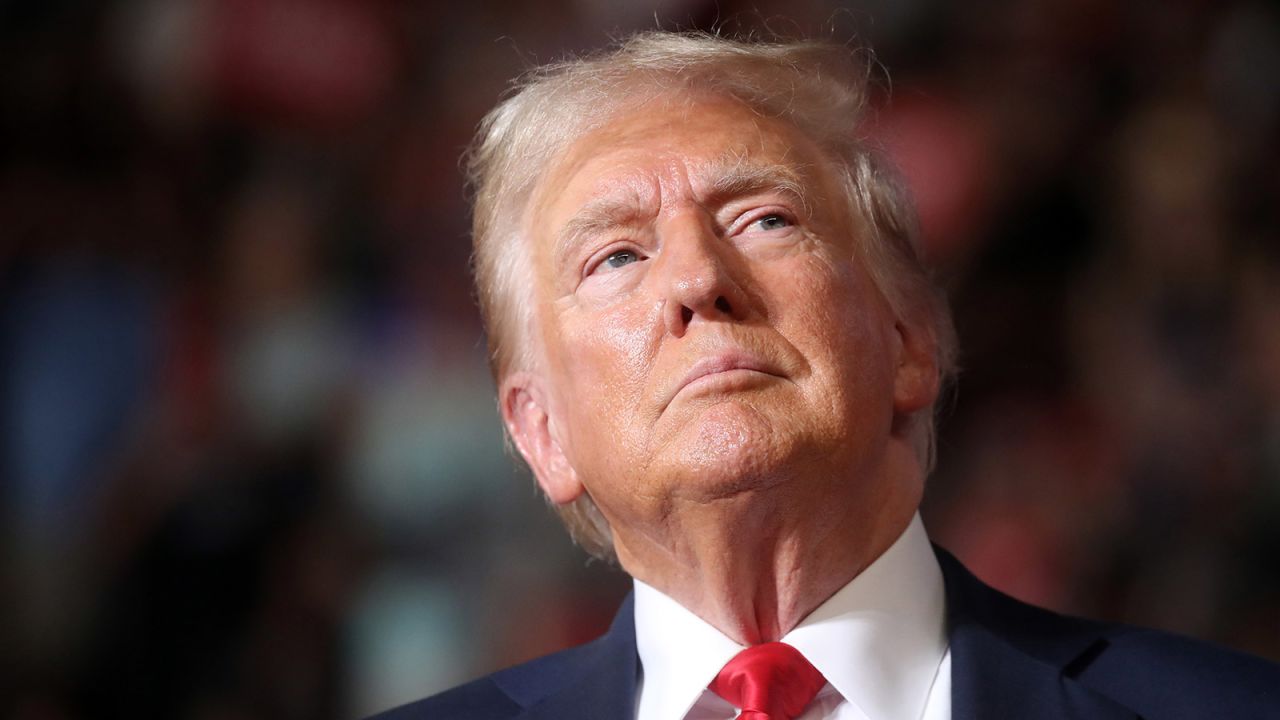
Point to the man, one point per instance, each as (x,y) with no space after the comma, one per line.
(717,349)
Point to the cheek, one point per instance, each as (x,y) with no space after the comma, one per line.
(612,348)
(824,303)
(841,325)
(603,377)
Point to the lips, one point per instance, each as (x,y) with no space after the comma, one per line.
(719,363)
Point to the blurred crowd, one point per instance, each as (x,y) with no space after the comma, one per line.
(251,462)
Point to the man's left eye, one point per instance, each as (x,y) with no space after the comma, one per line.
(772,221)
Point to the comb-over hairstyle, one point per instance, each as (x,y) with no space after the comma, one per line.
(821,88)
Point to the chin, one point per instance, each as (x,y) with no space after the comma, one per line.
(729,448)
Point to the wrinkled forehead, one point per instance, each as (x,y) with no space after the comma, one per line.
(702,146)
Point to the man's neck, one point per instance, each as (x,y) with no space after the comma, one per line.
(753,569)
(878,641)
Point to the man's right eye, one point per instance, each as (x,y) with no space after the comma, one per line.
(620,258)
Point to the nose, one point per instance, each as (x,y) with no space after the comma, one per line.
(697,278)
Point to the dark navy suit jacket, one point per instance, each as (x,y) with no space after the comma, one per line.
(1009,660)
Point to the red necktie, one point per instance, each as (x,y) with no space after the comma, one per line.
(772,681)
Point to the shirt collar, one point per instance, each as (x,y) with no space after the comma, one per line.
(878,640)
(680,654)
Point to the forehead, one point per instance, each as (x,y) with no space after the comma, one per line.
(679,126)
(670,144)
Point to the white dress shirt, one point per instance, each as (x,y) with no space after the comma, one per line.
(880,641)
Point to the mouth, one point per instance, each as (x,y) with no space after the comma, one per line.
(724,369)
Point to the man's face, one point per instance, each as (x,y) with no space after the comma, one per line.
(705,329)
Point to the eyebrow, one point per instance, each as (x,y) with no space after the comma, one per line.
(736,176)
(597,216)
(733,175)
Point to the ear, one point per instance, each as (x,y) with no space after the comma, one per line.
(916,380)
(529,422)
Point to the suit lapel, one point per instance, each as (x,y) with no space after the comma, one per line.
(1008,659)
(992,679)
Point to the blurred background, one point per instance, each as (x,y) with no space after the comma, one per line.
(251,462)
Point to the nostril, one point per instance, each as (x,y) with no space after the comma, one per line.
(686,315)
(723,305)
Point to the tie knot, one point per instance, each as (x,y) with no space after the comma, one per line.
(772,681)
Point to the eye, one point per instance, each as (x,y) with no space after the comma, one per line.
(615,260)
(772,221)
(620,258)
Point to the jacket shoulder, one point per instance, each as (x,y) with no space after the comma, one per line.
(1161,674)
(503,694)
(477,700)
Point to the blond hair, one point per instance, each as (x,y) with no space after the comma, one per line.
(821,88)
